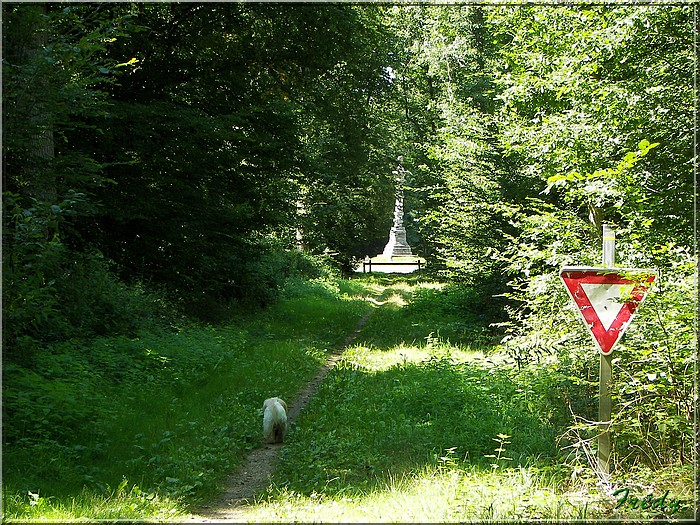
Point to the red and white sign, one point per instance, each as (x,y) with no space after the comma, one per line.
(607,299)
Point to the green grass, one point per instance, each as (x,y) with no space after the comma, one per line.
(402,418)
(423,420)
(121,503)
(420,429)
(145,427)
(431,495)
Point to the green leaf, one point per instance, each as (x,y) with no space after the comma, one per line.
(645,146)
(129,63)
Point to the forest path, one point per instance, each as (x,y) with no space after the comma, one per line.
(258,466)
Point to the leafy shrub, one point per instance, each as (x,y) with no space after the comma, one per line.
(52,292)
(654,390)
(96,303)
(32,261)
(254,277)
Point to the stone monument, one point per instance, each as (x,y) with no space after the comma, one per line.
(397,245)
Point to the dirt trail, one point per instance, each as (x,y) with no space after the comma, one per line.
(256,469)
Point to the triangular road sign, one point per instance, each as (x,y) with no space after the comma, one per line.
(607,299)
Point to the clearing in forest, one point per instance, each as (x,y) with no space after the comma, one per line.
(417,418)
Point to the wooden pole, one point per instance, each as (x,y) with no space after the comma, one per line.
(604,400)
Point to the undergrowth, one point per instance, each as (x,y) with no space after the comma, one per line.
(151,424)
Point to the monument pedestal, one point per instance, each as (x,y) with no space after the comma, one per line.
(397,245)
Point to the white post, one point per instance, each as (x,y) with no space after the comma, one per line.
(608,247)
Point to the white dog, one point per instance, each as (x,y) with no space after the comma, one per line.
(274,420)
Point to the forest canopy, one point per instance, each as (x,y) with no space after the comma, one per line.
(192,152)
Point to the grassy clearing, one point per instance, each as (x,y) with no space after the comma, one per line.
(142,428)
(423,421)
(432,495)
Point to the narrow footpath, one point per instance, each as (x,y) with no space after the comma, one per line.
(256,470)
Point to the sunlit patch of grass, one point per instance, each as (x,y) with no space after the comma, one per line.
(396,281)
(383,414)
(373,359)
(449,492)
(123,503)
(441,493)
(419,312)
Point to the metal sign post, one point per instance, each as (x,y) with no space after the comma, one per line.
(605,376)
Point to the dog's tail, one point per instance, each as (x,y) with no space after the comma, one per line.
(280,418)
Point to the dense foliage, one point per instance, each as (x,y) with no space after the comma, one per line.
(170,162)
(186,155)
